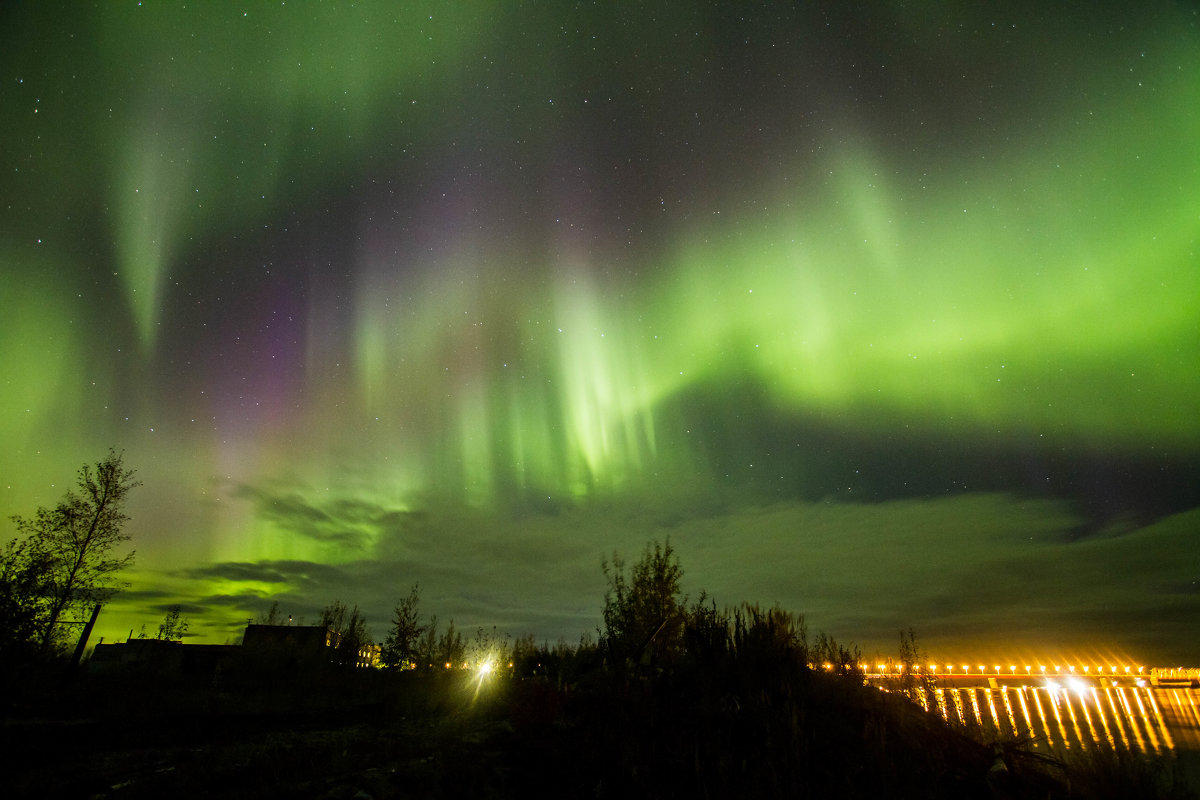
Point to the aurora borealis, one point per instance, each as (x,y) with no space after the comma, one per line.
(889,316)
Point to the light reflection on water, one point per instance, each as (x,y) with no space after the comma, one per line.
(1144,718)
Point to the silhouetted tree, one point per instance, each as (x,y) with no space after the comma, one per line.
(834,657)
(491,647)
(450,647)
(773,635)
(68,558)
(272,616)
(706,633)
(525,656)
(644,612)
(173,626)
(22,605)
(913,681)
(401,649)
(428,647)
(351,629)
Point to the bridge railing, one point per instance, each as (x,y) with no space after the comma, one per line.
(1011,670)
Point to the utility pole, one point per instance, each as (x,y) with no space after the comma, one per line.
(83,638)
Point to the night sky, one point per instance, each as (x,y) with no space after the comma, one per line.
(889,314)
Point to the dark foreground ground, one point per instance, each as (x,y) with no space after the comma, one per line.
(260,756)
(382,735)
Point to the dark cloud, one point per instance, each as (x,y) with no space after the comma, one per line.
(347,522)
(143,594)
(873,457)
(267,571)
(971,573)
(184,608)
(236,601)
